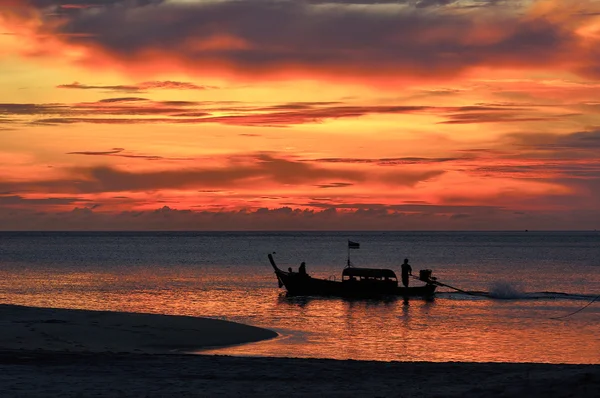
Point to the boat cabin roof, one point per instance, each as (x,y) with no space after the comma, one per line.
(369,272)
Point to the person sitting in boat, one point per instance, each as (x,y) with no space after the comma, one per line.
(302,269)
(406,271)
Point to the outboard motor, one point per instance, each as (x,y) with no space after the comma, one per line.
(425,275)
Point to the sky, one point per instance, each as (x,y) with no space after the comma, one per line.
(299,115)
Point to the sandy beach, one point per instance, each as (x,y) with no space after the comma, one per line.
(51,329)
(68,353)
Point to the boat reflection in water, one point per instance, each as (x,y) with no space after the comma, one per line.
(371,283)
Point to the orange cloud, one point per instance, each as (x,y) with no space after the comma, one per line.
(519,134)
(239,172)
(137,88)
(139,110)
(303,39)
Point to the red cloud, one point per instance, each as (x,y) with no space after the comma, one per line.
(135,110)
(238,172)
(140,87)
(295,38)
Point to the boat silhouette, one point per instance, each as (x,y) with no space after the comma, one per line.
(355,283)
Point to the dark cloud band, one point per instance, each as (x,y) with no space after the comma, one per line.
(422,38)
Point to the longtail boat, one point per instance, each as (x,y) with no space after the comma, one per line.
(355,283)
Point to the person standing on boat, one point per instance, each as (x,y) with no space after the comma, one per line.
(406,271)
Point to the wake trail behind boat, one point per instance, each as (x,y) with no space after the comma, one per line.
(519,296)
(508,291)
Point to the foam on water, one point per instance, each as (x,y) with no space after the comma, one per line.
(505,290)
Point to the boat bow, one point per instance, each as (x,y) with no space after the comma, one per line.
(278,272)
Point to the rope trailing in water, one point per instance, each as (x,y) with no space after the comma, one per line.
(434,282)
(455,288)
(579,310)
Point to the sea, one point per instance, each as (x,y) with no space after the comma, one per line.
(530,296)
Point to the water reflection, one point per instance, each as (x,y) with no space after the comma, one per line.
(285,298)
(451,327)
(418,330)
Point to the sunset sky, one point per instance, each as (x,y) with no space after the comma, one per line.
(299,114)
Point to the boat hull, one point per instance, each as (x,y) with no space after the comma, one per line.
(298,284)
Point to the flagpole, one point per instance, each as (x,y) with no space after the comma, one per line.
(348,263)
(351,245)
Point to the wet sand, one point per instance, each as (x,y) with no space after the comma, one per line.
(72,353)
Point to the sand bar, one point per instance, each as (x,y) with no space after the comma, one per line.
(50,329)
(72,353)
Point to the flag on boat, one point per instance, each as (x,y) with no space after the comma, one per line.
(353,245)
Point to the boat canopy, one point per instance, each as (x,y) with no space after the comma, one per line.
(369,272)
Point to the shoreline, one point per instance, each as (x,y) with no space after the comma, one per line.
(47,352)
(59,329)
